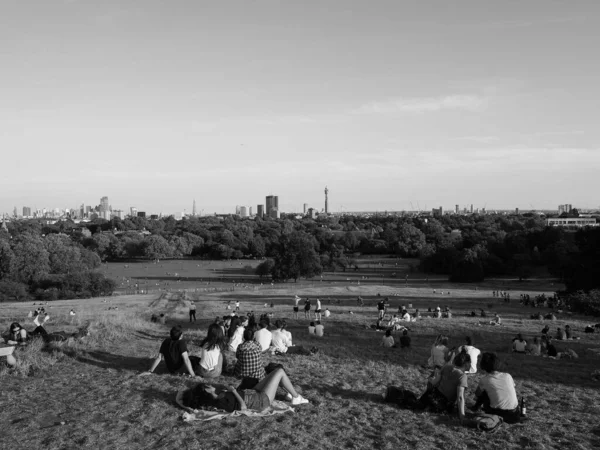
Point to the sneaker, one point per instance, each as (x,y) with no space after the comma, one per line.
(299,400)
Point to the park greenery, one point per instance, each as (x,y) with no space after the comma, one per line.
(59,259)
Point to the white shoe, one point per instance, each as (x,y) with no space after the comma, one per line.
(299,400)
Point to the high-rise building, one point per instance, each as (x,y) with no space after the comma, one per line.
(104,206)
(471,208)
(566,208)
(326,200)
(260,210)
(26,211)
(194,208)
(456,209)
(141,214)
(238,210)
(243,211)
(133,211)
(305,208)
(437,212)
(517,211)
(272,202)
(250,211)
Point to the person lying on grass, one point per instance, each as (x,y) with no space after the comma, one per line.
(15,335)
(175,354)
(496,391)
(259,398)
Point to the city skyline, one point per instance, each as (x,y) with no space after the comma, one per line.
(387,102)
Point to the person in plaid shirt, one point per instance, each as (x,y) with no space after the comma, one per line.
(249,358)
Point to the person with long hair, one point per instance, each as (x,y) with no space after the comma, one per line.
(211,352)
(439,352)
(16,334)
(257,399)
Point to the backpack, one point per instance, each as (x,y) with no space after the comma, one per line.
(484,422)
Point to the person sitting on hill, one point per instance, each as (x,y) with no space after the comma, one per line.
(496,391)
(257,398)
(319,329)
(387,340)
(249,358)
(263,336)
(473,353)
(405,339)
(311,328)
(496,320)
(211,352)
(560,334)
(405,316)
(39,323)
(545,330)
(236,333)
(519,344)
(327,313)
(439,352)
(174,352)
(534,348)
(279,338)
(569,333)
(551,351)
(449,390)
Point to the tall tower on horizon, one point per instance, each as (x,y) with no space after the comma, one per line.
(194,209)
(326,201)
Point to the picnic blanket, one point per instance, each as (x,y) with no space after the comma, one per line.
(200,415)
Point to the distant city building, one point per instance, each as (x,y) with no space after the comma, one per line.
(456,209)
(312,213)
(194,208)
(275,214)
(272,202)
(250,211)
(238,210)
(260,210)
(326,201)
(572,222)
(437,212)
(243,211)
(133,212)
(517,211)
(105,214)
(26,211)
(154,216)
(118,213)
(104,206)
(566,208)
(305,208)
(471,208)
(141,214)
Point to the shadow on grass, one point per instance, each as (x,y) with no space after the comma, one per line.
(105,360)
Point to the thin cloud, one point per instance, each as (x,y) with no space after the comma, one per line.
(424,105)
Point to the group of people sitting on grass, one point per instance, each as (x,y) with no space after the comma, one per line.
(256,390)
(449,381)
(544,346)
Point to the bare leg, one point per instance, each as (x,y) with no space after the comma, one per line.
(11,361)
(271,382)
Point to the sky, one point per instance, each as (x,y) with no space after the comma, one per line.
(393,105)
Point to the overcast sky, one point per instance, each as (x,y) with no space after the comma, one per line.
(388,103)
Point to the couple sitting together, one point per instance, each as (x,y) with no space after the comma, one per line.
(446,389)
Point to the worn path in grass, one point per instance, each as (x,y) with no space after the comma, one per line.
(104,404)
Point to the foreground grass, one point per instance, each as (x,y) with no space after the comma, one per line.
(93,386)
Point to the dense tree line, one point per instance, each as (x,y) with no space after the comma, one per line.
(48,267)
(465,248)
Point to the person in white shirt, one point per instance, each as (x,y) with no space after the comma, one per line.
(319,329)
(318,310)
(388,339)
(327,313)
(211,356)
(263,336)
(472,352)
(286,332)
(519,344)
(238,336)
(311,328)
(279,338)
(496,391)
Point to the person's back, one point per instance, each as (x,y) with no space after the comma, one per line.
(311,328)
(263,337)
(438,354)
(280,340)
(387,340)
(327,312)
(452,378)
(534,348)
(172,351)
(249,358)
(319,329)
(473,353)
(519,345)
(236,339)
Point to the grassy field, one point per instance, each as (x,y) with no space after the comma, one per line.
(93,387)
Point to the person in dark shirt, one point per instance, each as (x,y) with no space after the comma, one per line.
(405,340)
(175,354)
(551,349)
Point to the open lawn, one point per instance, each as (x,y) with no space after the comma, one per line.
(93,387)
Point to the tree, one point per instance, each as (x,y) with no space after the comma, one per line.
(63,256)
(157,247)
(6,259)
(31,261)
(265,268)
(410,240)
(257,246)
(297,257)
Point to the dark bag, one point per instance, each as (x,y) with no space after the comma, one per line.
(273,366)
(247,383)
(402,397)
(489,423)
